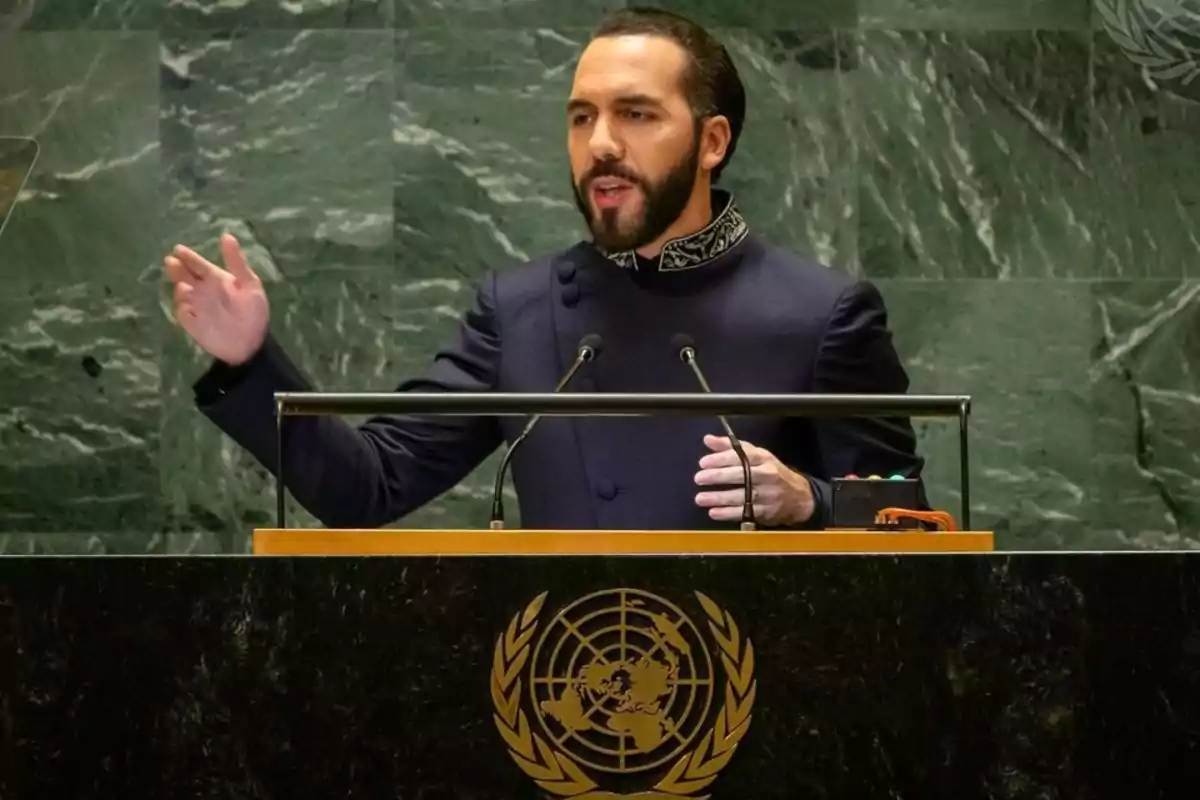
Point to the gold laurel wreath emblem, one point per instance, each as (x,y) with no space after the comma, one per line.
(1163,56)
(556,773)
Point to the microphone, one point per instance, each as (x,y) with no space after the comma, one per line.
(686,348)
(589,347)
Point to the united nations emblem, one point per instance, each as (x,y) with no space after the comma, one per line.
(621,686)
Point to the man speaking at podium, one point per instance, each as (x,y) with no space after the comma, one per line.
(654,116)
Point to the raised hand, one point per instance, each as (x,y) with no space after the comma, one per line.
(225,311)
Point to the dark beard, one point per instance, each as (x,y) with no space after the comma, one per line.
(662,204)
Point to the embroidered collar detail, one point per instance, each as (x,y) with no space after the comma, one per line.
(726,231)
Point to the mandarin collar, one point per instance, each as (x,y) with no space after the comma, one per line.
(727,229)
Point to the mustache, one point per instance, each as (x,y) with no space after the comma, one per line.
(608,170)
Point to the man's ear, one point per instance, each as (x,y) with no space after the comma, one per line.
(715,136)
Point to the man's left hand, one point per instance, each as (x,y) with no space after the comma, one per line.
(781,495)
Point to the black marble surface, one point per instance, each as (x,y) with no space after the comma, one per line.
(997,676)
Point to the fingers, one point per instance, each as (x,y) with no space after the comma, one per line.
(735,497)
(183,301)
(235,259)
(724,458)
(196,266)
(729,458)
(716,443)
(175,270)
(184,263)
(727,506)
(724,455)
(734,476)
(183,292)
(734,513)
(722,443)
(719,444)
(724,466)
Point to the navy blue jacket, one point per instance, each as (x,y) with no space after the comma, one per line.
(764,321)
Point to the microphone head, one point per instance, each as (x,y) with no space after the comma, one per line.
(681,342)
(593,343)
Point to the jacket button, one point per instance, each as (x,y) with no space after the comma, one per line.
(566,273)
(606,489)
(570,295)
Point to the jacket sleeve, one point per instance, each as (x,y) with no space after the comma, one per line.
(856,356)
(373,474)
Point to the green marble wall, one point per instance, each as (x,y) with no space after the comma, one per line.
(1025,196)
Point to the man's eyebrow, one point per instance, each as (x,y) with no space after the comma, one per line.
(635,99)
(638,100)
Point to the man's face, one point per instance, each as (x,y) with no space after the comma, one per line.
(633,141)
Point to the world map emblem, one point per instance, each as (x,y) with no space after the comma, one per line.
(622,694)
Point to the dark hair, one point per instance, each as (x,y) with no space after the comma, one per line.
(711,84)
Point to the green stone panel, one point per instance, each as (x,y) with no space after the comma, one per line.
(79,407)
(1012,15)
(794,171)
(1146,402)
(63,15)
(763,15)
(1022,350)
(376,174)
(284,139)
(241,15)
(557,15)
(481,173)
(79,377)
(1146,162)
(972,155)
(549,16)
(89,211)
(289,134)
(357,333)
(18,157)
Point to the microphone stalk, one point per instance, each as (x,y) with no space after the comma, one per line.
(688,355)
(589,348)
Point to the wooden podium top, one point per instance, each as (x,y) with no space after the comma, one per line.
(305,542)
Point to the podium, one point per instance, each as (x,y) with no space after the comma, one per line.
(622,663)
(656,664)
(596,665)
(315,542)
(851,666)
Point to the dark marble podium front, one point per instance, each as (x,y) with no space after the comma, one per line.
(930,676)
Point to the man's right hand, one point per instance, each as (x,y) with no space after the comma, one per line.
(225,311)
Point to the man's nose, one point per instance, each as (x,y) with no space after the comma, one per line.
(605,145)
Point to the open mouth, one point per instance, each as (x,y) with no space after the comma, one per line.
(611,192)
